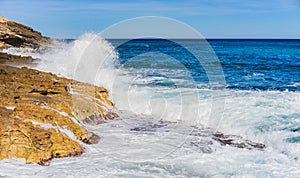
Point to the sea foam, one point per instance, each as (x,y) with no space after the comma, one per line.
(269,117)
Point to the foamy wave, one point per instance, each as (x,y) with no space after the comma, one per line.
(80,58)
(269,117)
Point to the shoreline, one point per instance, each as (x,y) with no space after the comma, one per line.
(44,116)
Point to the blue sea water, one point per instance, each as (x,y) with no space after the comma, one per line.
(248,64)
(261,91)
(171,102)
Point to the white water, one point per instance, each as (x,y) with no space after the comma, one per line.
(174,149)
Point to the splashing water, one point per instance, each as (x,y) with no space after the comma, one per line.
(160,132)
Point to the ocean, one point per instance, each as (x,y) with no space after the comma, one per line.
(172,97)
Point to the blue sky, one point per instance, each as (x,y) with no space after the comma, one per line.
(212,18)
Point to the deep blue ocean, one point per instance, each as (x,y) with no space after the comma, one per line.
(176,99)
(248,64)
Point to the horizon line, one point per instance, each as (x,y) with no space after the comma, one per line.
(212,38)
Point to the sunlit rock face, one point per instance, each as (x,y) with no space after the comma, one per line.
(42,115)
(13,34)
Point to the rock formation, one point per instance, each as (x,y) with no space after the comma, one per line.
(14,60)
(13,34)
(37,107)
(237,141)
(42,115)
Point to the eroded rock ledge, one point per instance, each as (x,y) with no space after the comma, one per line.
(38,109)
(13,34)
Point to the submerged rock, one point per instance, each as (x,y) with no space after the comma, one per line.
(197,136)
(237,141)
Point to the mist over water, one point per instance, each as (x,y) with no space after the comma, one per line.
(165,107)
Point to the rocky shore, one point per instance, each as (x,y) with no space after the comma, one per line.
(42,115)
(13,34)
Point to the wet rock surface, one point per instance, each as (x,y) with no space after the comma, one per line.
(201,138)
(237,141)
(31,99)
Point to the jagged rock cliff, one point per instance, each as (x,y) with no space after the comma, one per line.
(13,34)
(42,115)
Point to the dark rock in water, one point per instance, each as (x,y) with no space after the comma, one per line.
(151,127)
(296,129)
(110,115)
(94,119)
(138,129)
(92,139)
(200,138)
(237,141)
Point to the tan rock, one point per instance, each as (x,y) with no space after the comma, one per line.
(13,34)
(14,60)
(19,139)
(37,107)
(30,97)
